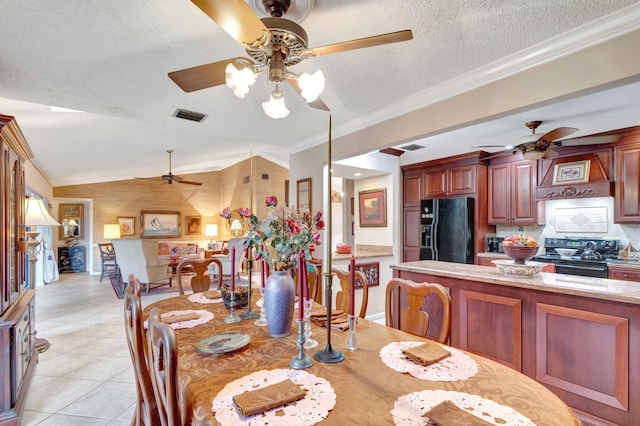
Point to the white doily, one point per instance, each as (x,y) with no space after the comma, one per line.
(205,316)
(201,298)
(457,366)
(409,409)
(315,406)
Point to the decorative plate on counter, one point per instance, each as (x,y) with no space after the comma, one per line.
(510,267)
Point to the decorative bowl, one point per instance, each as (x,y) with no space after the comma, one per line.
(343,248)
(520,254)
(511,267)
(566,252)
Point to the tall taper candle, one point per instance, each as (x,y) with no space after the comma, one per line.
(352,289)
(300,284)
(305,278)
(262,273)
(233,269)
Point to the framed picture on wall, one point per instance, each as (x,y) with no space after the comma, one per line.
(373,208)
(160,224)
(71,216)
(193,225)
(127,226)
(570,173)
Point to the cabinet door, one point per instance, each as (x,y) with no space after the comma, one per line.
(434,184)
(411,190)
(461,180)
(626,202)
(523,205)
(626,274)
(411,235)
(499,193)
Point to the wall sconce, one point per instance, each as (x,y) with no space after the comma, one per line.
(211,230)
(236,227)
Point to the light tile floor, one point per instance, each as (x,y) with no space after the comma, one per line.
(85,377)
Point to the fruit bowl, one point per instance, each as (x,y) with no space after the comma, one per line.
(510,267)
(520,254)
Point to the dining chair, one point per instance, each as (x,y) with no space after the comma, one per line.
(405,305)
(107,259)
(226,260)
(140,258)
(343,296)
(163,360)
(146,412)
(201,281)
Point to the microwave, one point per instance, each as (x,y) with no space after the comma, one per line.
(494,245)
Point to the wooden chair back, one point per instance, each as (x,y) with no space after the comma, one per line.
(313,277)
(201,281)
(405,305)
(163,360)
(343,296)
(146,412)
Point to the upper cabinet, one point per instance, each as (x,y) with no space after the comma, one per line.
(452,181)
(512,192)
(627,180)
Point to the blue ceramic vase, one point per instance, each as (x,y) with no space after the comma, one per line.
(279,298)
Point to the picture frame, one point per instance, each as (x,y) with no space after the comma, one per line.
(373,208)
(371,271)
(160,223)
(571,173)
(193,225)
(71,216)
(127,225)
(303,194)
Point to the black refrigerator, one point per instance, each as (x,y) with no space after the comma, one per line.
(446,227)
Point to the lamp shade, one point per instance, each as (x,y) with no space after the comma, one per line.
(211,230)
(275,107)
(37,214)
(111,231)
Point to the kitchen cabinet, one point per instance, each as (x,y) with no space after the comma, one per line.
(18,355)
(452,181)
(627,183)
(512,193)
(622,272)
(71,259)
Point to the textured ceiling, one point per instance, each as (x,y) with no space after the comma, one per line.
(110,59)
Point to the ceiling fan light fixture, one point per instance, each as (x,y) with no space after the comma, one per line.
(239,80)
(533,155)
(312,85)
(528,139)
(275,107)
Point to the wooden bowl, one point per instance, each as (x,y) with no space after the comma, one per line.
(520,254)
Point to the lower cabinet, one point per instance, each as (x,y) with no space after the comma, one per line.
(622,273)
(71,259)
(18,357)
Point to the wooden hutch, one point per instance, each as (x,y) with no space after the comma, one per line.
(18,355)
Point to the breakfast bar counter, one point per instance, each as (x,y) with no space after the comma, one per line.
(575,335)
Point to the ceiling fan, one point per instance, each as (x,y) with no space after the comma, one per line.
(540,145)
(273,44)
(170,177)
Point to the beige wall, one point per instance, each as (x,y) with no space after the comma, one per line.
(220,189)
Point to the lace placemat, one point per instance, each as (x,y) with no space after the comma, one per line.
(457,366)
(205,316)
(202,298)
(409,409)
(315,406)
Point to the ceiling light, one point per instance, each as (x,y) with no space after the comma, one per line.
(357,174)
(275,108)
(239,75)
(533,154)
(312,85)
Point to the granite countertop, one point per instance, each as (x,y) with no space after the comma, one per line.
(363,251)
(596,288)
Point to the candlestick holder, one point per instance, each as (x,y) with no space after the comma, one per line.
(301,360)
(328,354)
(352,343)
(262,321)
(232,314)
(308,341)
(249,313)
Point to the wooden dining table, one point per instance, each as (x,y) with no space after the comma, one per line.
(366,389)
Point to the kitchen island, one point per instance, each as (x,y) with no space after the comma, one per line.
(578,336)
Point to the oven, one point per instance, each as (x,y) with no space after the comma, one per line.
(583,268)
(580,263)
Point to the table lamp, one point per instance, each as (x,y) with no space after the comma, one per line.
(111,231)
(211,230)
(236,227)
(36,215)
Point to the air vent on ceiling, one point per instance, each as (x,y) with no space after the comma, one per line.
(411,147)
(189,115)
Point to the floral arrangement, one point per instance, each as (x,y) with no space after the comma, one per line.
(519,240)
(283,234)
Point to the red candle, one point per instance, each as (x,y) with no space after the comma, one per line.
(300,298)
(262,273)
(305,278)
(233,269)
(353,286)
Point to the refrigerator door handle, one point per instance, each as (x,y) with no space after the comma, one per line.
(435,237)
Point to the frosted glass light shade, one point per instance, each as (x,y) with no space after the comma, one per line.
(275,108)
(312,85)
(37,214)
(111,231)
(239,80)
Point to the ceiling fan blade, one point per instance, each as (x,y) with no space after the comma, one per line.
(494,146)
(235,17)
(149,178)
(590,140)
(202,76)
(189,182)
(317,104)
(558,133)
(360,43)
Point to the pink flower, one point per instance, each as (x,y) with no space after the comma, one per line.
(271,201)
(320,225)
(226,213)
(293,226)
(318,216)
(244,212)
(316,238)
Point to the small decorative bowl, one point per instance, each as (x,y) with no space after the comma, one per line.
(520,254)
(510,267)
(566,252)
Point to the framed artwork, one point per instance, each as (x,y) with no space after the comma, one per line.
(373,208)
(574,172)
(127,226)
(303,192)
(71,216)
(371,271)
(160,224)
(193,225)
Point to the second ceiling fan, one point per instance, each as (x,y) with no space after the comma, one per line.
(273,44)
